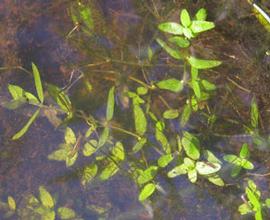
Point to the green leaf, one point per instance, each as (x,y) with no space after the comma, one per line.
(70,137)
(244,152)
(254,114)
(162,139)
(171,28)
(236,170)
(192,175)
(118,151)
(11,203)
(89,148)
(65,213)
(267,202)
(194,73)
(45,197)
(147,191)
(231,158)
(15,91)
(247,164)
(207,168)
(139,145)
(211,157)
(196,88)
(188,33)
(191,145)
(110,170)
(110,104)
(25,128)
(190,165)
(70,160)
(185,115)
(171,84)
(201,15)
(140,120)
(185,18)
(207,85)
(244,209)
(38,83)
(216,180)
(59,155)
(178,170)
(142,90)
(171,114)
(164,160)
(48,215)
(103,137)
(201,26)
(180,41)
(147,175)
(89,173)
(173,53)
(150,53)
(202,64)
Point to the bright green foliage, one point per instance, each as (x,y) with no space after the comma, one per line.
(171,28)
(164,160)
(201,15)
(171,114)
(185,18)
(139,145)
(147,175)
(38,83)
(104,137)
(140,120)
(202,64)
(90,148)
(180,41)
(172,85)
(191,145)
(110,170)
(89,173)
(239,162)
(147,191)
(11,203)
(172,52)
(45,197)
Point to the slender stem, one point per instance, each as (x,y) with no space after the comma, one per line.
(125,131)
(164,102)
(140,82)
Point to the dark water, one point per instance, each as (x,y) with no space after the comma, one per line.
(42,32)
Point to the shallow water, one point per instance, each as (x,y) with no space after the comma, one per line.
(43,33)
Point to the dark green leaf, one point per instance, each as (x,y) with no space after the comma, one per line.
(180,41)
(202,64)
(201,26)
(185,18)
(26,126)
(173,53)
(171,114)
(171,84)
(236,170)
(147,191)
(171,27)
(140,120)
(38,83)
(110,104)
(201,15)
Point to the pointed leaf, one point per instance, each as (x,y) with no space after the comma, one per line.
(70,137)
(201,26)
(201,15)
(254,114)
(103,137)
(110,170)
(70,160)
(110,104)
(202,64)
(171,28)
(216,180)
(147,175)
(162,139)
(207,85)
(173,53)
(45,197)
(191,145)
(139,145)
(89,148)
(185,18)
(147,191)
(244,152)
(180,41)
(178,170)
(140,120)
(171,84)
(196,88)
(15,91)
(38,83)
(118,151)
(89,173)
(247,164)
(59,155)
(185,115)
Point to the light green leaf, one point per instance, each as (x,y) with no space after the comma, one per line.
(70,160)
(192,175)
(178,170)
(59,155)
(190,165)
(139,145)
(196,88)
(247,164)
(180,41)
(201,15)
(38,83)
(31,98)
(202,64)
(201,26)
(89,148)
(70,137)
(15,91)
(267,202)
(140,120)
(89,173)
(142,90)
(194,73)
(171,114)
(110,104)
(244,209)
(211,157)
(216,180)
(65,213)
(188,33)
(164,160)
(147,175)
(110,170)
(162,139)
(244,152)
(231,158)
(103,137)
(254,114)
(171,84)
(11,203)
(207,85)
(185,115)
(173,53)
(25,128)
(171,28)
(191,145)
(48,215)
(185,18)
(118,151)
(147,191)
(207,168)
(45,197)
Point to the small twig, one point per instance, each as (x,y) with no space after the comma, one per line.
(239,86)
(258,174)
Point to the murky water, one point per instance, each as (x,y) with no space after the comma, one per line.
(42,32)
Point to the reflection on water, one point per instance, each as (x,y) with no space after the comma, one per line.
(117,50)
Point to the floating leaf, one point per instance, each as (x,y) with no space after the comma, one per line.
(201,26)
(180,41)
(11,203)
(216,180)
(171,28)
(185,18)
(140,120)
(89,173)
(254,114)
(191,145)
(118,151)
(164,160)
(65,213)
(178,170)
(139,145)
(173,53)
(202,64)
(244,152)
(171,114)
(70,137)
(90,148)
(171,84)
(104,137)
(45,197)
(110,104)
(207,168)
(25,128)
(38,83)
(201,15)
(110,170)
(147,175)
(147,191)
